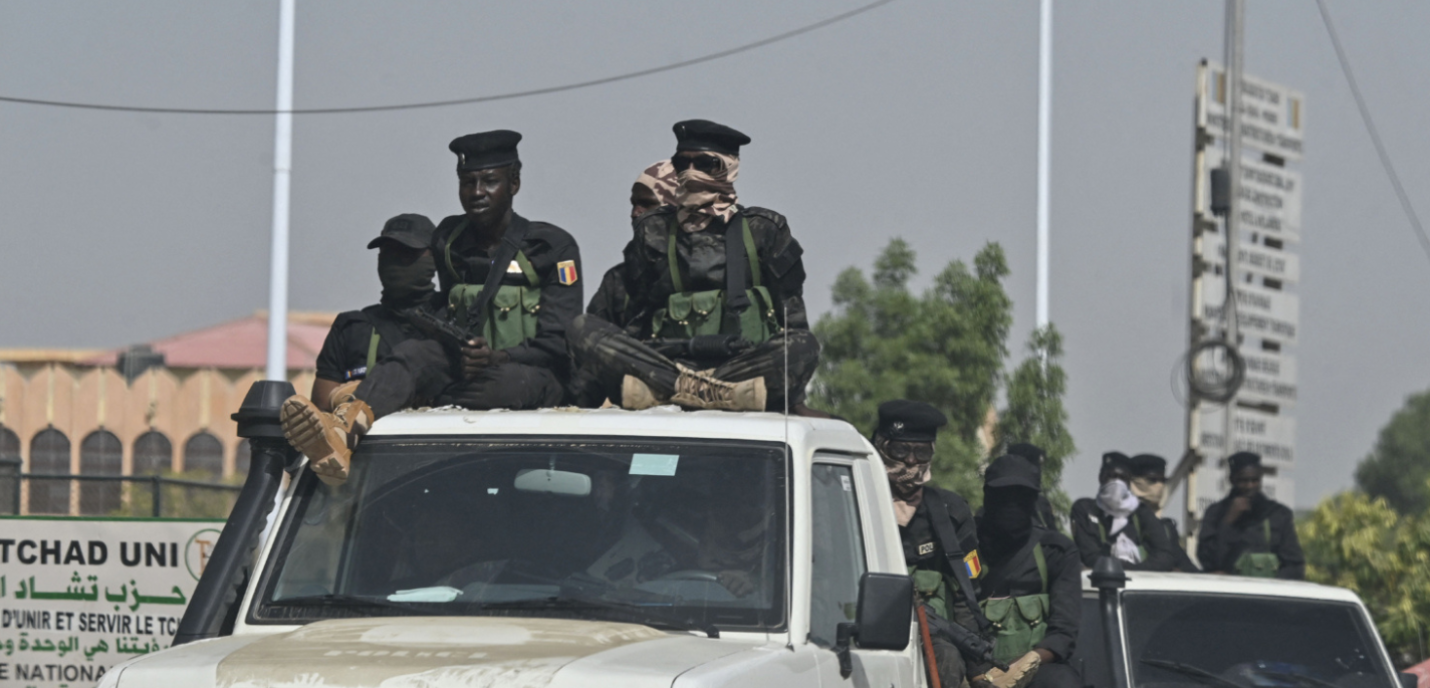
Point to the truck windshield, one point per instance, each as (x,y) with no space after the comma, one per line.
(680,534)
(1184,639)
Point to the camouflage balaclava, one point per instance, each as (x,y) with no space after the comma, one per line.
(660,179)
(702,197)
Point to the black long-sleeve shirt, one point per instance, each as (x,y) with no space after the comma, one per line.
(1219,545)
(549,248)
(1090,522)
(1064,585)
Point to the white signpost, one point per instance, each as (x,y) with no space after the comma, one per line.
(79,595)
(1268,271)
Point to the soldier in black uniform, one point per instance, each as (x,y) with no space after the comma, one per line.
(721,284)
(520,277)
(1118,524)
(1031,588)
(936,528)
(1248,533)
(1149,481)
(358,339)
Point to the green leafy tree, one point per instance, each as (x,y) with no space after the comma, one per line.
(1359,542)
(182,501)
(1035,412)
(1399,465)
(944,347)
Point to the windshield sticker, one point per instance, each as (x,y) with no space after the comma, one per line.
(654,464)
(437,593)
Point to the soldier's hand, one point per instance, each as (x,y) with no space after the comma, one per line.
(477,356)
(1239,506)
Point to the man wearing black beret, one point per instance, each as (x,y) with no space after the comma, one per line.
(719,286)
(936,528)
(522,278)
(1248,533)
(1118,524)
(1149,483)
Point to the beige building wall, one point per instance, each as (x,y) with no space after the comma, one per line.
(78,400)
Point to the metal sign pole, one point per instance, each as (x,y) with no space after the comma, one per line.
(1235,16)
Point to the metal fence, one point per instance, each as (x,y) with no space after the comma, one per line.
(156,496)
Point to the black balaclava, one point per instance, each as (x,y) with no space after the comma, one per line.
(1007,518)
(406,283)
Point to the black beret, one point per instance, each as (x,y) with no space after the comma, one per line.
(1012,470)
(1116,459)
(1148,464)
(1031,452)
(485,150)
(409,229)
(704,135)
(1242,460)
(909,421)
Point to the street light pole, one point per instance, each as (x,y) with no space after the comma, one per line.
(282,163)
(1045,117)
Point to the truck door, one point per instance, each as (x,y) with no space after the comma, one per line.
(840,558)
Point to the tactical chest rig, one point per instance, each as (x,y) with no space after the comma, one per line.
(744,307)
(511,318)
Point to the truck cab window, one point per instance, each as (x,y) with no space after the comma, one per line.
(838,550)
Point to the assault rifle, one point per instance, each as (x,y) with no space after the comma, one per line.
(449,333)
(969,643)
(702,346)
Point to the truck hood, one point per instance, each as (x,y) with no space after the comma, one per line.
(435,652)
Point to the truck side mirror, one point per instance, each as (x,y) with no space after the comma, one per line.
(882,620)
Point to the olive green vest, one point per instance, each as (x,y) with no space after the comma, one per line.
(511,318)
(1021,622)
(1259,564)
(687,314)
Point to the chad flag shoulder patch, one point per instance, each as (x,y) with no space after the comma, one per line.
(975,567)
(566,272)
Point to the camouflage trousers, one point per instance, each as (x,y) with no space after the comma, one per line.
(605,354)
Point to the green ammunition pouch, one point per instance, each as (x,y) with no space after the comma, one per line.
(1137,526)
(1259,564)
(932,590)
(512,315)
(691,313)
(1021,622)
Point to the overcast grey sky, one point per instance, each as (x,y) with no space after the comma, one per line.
(914,120)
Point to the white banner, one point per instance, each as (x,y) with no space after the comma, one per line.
(1273,263)
(1273,437)
(1272,119)
(78,596)
(1270,195)
(1260,311)
(1270,377)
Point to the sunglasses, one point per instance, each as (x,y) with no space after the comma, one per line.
(911,453)
(708,164)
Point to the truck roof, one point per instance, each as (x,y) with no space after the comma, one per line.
(1203,583)
(663,421)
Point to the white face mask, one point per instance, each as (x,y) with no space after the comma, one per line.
(1116,498)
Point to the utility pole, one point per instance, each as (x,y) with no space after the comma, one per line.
(282,164)
(1235,16)
(1045,119)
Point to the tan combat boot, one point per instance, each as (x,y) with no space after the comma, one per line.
(637,395)
(702,390)
(326,439)
(1019,674)
(343,393)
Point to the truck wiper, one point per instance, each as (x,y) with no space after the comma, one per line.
(1301,679)
(631,613)
(1189,670)
(350,601)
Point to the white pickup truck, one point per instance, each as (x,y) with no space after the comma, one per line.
(652,548)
